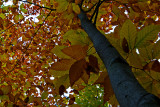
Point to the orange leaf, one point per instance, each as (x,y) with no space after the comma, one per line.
(76,51)
(76,71)
(62,65)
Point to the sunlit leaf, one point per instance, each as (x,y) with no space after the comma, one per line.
(128,31)
(147,35)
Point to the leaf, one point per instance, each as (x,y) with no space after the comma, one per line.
(6,89)
(77,37)
(156,66)
(71,101)
(128,31)
(108,91)
(57,50)
(134,60)
(44,95)
(85,77)
(93,61)
(62,5)
(146,53)
(76,52)
(76,8)
(61,90)
(147,36)
(76,71)
(77,2)
(63,80)
(125,45)
(58,73)
(101,78)
(2,16)
(62,65)
(156,50)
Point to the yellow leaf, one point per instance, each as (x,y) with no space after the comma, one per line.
(62,65)
(156,50)
(70,8)
(58,73)
(62,5)
(128,31)
(6,89)
(76,52)
(63,80)
(77,37)
(146,53)
(134,60)
(76,8)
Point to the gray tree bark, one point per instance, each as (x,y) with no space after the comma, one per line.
(127,89)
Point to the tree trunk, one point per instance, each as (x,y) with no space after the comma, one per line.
(127,89)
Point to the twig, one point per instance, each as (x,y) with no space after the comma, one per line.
(38,5)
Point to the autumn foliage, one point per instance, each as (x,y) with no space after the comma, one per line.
(44,50)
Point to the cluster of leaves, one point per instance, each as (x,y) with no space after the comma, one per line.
(32,53)
(91,96)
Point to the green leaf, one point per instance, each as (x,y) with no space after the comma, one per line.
(44,95)
(156,50)
(77,37)
(147,36)
(18,17)
(2,16)
(129,32)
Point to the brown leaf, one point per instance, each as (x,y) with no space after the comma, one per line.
(76,51)
(62,65)
(90,68)
(11,98)
(85,77)
(93,61)
(125,45)
(108,91)
(101,78)
(71,101)
(76,71)
(76,91)
(1,92)
(156,66)
(26,100)
(61,89)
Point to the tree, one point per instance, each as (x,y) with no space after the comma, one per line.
(64,46)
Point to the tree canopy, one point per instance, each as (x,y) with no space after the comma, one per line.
(44,49)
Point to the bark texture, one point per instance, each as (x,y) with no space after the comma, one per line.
(127,89)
